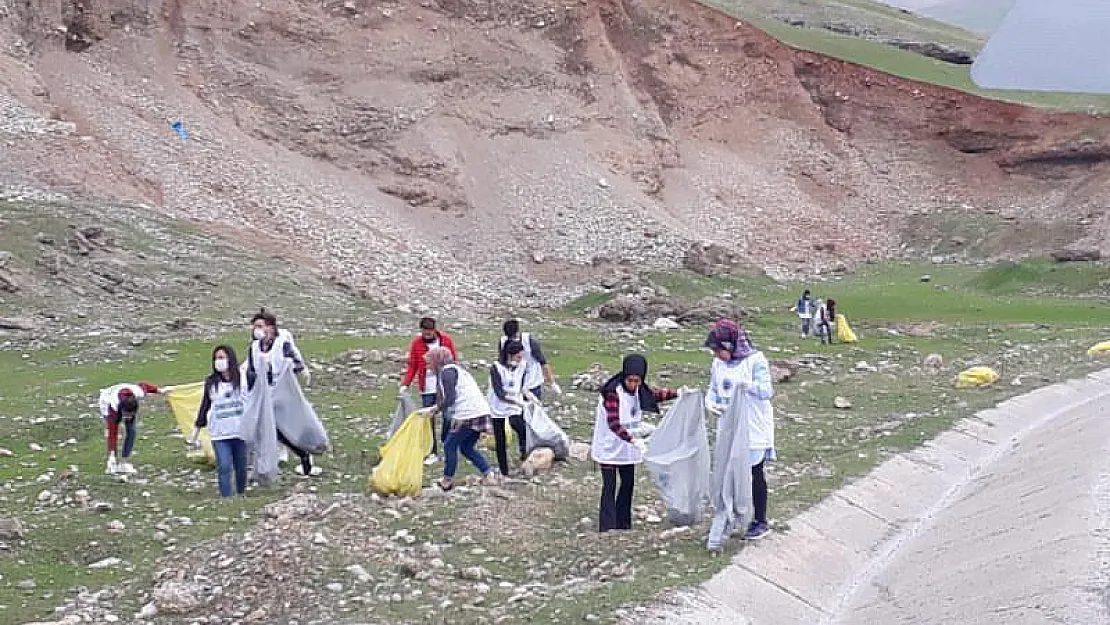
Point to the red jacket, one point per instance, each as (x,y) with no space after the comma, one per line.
(418,368)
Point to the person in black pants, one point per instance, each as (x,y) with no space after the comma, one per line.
(618,444)
(506,399)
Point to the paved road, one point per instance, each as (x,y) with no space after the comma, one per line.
(1004,519)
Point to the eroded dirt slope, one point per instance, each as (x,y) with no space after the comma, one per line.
(435,151)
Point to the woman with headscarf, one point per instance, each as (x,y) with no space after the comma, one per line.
(507,395)
(741,371)
(618,444)
(463,405)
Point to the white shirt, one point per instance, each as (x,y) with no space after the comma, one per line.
(757,409)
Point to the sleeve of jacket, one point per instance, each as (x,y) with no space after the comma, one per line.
(252,375)
(291,351)
(413,364)
(762,388)
(448,379)
(205,406)
(612,405)
(496,382)
(149,388)
(664,394)
(537,350)
(449,343)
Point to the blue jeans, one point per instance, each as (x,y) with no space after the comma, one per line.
(463,440)
(231,455)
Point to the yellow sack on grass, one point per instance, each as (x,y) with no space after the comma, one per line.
(489,443)
(976,376)
(401,470)
(184,402)
(1099,349)
(844,332)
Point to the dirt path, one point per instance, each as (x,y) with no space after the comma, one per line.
(1003,517)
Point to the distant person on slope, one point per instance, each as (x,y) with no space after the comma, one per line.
(429,338)
(465,409)
(120,404)
(804,309)
(740,370)
(537,369)
(506,401)
(822,321)
(221,411)
(618,444)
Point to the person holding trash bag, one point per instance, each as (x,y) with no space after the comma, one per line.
(462,405)
(618,444)
(120,404)
(507,395)
(430,337)
(741,373)
(537,369)
(221,411)
(298,428)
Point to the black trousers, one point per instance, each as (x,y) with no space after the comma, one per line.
(759,493)
(306,458)
(502,444)
(616,504)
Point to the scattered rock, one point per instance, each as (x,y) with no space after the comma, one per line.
(926,278)
(539,461)
(842,403)
(665,323)
(710,259)
(16,323)
(781,375)
(176,597)
(933,363)
(935,50)
(106,563)
(636,308)
(149,611)
(580,451)
(27,584)
(10,528)
(474,573)
(1076,256)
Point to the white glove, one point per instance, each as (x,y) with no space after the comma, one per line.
(555,388)
(528,396)
(427,412)
(307,375)
(403,389)
(162,390)
(193,439)
(640,444)
(714,409)
(685,390)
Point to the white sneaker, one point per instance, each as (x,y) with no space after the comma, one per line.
(314,471)
(127,468)
(430,460)
(112,467)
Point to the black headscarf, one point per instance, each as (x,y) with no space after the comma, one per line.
(634,364)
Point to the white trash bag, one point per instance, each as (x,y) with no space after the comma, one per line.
(405,407)
(731,492)
(295,416)
(544,432)
(678,459)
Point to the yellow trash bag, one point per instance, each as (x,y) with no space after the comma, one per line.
(184,402)
(844,332)
(401,470)
(1099,349)
(976,376)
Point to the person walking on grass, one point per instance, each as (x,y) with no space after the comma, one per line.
(221,411)
(279,356)
(118,405)
(822,321)
(618,444)
(804,310)
(430,337)
(465,412)
(537,369)
(740,373)
(507,395)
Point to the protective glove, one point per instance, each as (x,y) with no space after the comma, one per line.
(193,439)
(714,409)
(555,388)
(162,390)
(640,444)
(403,389)
(528,396)
(430,411)
(684,391)
(307,375)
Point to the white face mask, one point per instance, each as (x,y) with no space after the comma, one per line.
(259,334)
(221,365)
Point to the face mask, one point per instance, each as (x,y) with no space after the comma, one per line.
(259,334)
(221,365)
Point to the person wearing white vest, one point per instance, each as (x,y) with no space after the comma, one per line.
(507,395)
(740,370)
(537,369)
(221,411)
(119,404)
(618,444)
(462,403)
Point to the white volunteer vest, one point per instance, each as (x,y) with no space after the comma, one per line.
(225,416)
(109,397)
(512,381)
(469,401)
(607,447)
(533,370)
